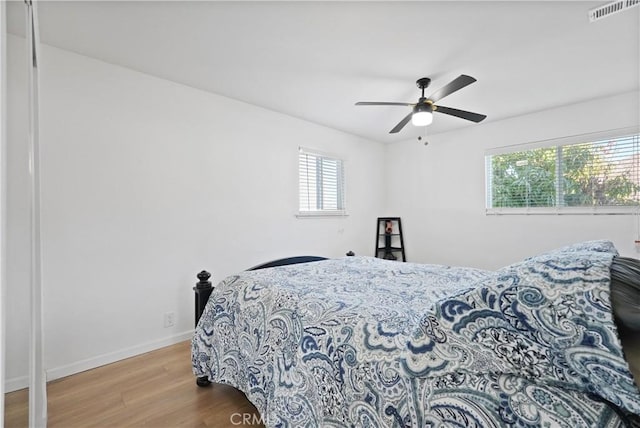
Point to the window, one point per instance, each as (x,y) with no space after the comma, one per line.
(321,184)
(579,174)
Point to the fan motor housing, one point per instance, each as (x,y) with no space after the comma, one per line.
(423,106)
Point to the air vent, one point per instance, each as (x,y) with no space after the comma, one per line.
(611,8)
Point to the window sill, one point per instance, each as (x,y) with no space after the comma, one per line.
(318,214)
(634,210)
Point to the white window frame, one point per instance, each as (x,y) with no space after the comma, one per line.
(558,209)
(340,186)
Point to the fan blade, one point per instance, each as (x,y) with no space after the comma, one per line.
(474,117)
(375,103)
(402,123)
(455,85)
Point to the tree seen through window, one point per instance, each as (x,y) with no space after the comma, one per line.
(603,173)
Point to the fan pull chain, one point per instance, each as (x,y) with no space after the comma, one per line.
(423,139)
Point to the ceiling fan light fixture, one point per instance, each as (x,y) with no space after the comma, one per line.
(422,115)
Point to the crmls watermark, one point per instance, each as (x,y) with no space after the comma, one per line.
(246,419)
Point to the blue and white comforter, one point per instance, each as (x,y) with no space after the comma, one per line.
(364,342)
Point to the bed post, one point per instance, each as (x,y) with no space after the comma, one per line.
(203,290)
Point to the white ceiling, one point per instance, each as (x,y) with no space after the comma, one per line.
(314,60)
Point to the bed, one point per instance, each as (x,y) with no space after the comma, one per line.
(366,342)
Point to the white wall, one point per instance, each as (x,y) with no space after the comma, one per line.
(439,190)
(144,183)
(17,219)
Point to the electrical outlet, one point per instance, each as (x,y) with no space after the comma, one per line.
(169,319)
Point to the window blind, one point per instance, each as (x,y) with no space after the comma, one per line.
(321,183)
(586,175)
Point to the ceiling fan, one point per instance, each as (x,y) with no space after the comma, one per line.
(422,111)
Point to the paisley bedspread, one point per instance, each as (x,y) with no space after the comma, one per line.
(364,342)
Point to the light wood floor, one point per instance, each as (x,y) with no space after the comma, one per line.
(156,389)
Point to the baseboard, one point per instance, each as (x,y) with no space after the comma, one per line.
(101,360)
(22,382)
(16,383)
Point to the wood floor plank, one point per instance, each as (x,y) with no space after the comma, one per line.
(16,410)
(156,389)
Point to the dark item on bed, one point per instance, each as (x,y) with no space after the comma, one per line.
(625,292)
(625,302)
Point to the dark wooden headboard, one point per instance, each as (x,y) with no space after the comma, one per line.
(288,261)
